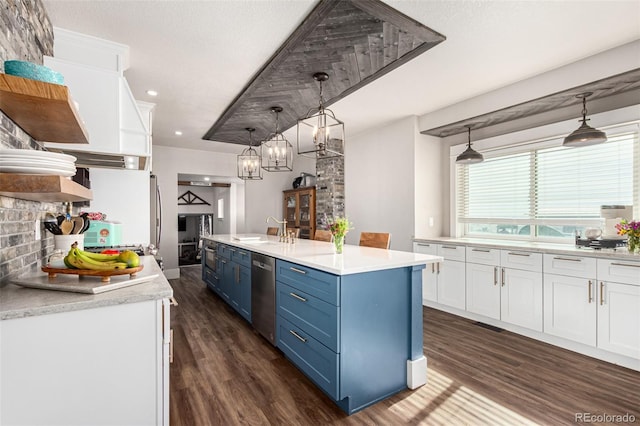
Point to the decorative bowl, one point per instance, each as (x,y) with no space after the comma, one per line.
(33,71)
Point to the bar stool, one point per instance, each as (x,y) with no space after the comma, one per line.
(375,239)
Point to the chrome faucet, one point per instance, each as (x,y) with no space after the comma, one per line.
(283,235)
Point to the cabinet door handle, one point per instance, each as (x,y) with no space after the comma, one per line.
(223,261)
(519,254)
(300,271)
(625,264)
(238,274)
(481,250)
(495,275)
(590,297)
(300,298)
(438,267)
(299,337)
(568,259)
(502,277)
(433,268)
(450,247)
(601,293)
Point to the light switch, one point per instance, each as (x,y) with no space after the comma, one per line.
(431,221)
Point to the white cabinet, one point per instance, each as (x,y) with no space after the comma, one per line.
(444,283)
(619,307)
(101,366)
(483,288)
(570,304)
(430,273)
(521,289)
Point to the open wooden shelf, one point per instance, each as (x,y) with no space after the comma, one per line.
(44,110)
(43,188)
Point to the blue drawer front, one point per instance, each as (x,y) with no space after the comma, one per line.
(223,251)
(240,256)
(316,317)
(314,359)
(311,281)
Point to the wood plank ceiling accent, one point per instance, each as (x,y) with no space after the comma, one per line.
(354,41)
(605,87)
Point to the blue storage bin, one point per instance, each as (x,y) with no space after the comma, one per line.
(33,71)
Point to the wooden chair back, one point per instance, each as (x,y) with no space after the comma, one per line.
(273,230)
(375,239)
(322,235)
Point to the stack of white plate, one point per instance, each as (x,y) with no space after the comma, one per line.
(37,162)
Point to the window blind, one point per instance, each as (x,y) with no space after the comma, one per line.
(549,185)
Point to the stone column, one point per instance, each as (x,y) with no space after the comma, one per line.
(329,188)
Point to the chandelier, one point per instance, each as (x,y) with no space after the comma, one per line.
(276,151)
(320,133)
(249,162)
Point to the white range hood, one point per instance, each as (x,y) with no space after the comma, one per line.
(119,127)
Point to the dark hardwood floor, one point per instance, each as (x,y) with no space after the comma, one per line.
(224,373)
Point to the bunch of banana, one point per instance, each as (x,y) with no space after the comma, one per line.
(80,259)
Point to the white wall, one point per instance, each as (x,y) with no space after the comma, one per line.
(380,182)
(429,219)
(124,196)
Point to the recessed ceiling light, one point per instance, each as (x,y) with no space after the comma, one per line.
(207,179)
(152,93)
(178,133)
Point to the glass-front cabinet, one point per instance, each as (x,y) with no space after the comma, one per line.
(300,210)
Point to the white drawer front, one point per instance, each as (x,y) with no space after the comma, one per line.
(483,256)
(451,252)
(525,260)
(573,266)
(425,248)
(619,271)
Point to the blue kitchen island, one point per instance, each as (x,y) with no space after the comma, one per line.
(351,322)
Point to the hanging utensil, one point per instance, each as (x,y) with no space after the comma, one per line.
(78,224)
(67,225)
(53,228)
(87,222)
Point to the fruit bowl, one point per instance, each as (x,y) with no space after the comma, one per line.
(105,275)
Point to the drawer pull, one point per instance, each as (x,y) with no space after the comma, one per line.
(481,250)
(300,271)
(232,249)
(568,259)
(423,245)
(242,253)
(519,254)
(299,337)
(601,293)
(450,247)
(300,298)
(590,297)
(495,275)
(625,264)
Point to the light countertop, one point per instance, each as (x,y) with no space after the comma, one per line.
(551,248)
(19,302)
(320,255)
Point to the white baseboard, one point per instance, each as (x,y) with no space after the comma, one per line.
(416,372)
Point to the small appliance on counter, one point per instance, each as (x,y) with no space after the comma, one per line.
(608,237)
(103,234)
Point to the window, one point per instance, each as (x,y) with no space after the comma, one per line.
(548,192)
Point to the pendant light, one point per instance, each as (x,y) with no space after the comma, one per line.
(469,156)
(249,162)
(276,151)
(584,135)
(320,133)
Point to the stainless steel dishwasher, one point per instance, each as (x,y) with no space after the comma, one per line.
(263,295)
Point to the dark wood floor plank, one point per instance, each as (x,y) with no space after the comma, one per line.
(225,373)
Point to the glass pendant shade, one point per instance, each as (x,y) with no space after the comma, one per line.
(276,152)
(249,162)
(319,133)
(584,135)
(469,156)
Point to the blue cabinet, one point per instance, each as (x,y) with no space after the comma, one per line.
(352,335)
(233,278)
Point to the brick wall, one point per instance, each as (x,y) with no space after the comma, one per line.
(329,189)
(26,35)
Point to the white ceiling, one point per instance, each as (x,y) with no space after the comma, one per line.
(200,54)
